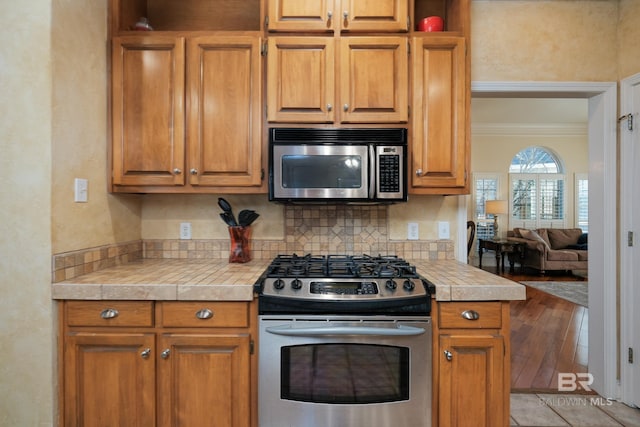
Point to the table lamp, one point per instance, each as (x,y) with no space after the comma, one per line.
(495,208)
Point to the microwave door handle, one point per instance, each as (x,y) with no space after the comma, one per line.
(373,166)
(401,330)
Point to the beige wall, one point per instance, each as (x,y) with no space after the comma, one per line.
(545,40)
(80,133)
(628,39)
(26,309)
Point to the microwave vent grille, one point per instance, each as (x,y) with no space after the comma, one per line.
(311,135)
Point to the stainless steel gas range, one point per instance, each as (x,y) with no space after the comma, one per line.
(344,341)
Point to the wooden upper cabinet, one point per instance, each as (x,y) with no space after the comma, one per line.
(187,107)
(338,15)
(364,81)
(374,79)
(148,110)
(301,79)
(224,82)
(441,96)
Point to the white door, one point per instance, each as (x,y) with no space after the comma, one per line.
(629,125)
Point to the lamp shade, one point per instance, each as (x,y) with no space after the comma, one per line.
(496,207)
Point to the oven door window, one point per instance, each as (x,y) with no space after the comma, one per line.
(321,171)
(345,373)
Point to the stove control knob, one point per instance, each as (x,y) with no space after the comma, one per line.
(391,285)
(408,285)
(278,284)
(296,284)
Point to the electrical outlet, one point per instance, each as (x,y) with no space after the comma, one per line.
(443,230)
(185,230)
(412,231)
(80,190)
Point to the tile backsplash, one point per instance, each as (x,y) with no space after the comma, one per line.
(68,265)
(322,229)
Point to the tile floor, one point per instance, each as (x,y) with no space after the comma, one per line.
(555,410)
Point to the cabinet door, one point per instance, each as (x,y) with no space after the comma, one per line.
(300,79)
(297,15)
(204,380)
(440,151)
(148,110)
(224,85)
(338,15)
(374,79)
(109,380)
(380,15)
(471,391)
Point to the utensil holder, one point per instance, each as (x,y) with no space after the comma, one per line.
(240,250)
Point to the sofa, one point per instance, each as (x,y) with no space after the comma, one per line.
(553,248)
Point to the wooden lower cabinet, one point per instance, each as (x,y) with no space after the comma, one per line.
(204,380)
(471,364)
(143,372)
(108,379)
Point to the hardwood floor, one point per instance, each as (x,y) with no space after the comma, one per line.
(548,335)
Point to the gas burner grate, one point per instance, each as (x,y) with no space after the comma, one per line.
(342,266)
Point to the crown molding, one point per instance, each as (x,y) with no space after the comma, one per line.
(530,129)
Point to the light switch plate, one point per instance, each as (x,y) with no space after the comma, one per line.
(80,190)
(443,230)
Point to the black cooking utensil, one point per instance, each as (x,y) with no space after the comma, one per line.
(252,217)
(226,207)
(228,219)
(246,217)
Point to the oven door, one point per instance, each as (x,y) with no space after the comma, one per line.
(342,371)
(328,171)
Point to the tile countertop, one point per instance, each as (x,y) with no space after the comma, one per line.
(456,281)
(207,279)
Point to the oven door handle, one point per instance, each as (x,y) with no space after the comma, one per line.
(401,330)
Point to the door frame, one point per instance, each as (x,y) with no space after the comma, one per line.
(629,297)
(603,216)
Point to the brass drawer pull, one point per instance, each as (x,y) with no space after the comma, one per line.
(204,314)
(109,313)
(470,315)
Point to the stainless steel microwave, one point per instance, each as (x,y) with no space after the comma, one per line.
(338,165)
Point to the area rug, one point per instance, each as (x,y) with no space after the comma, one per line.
(576,292)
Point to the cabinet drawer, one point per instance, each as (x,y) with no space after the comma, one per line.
(109,313)
(205,314)
(470,315)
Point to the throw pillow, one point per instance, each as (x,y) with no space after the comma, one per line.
(532,235)
(583,239)
(560,238)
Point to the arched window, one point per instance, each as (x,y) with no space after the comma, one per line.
(537,189)
(535,160)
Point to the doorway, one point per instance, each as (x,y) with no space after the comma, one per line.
(603,190)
